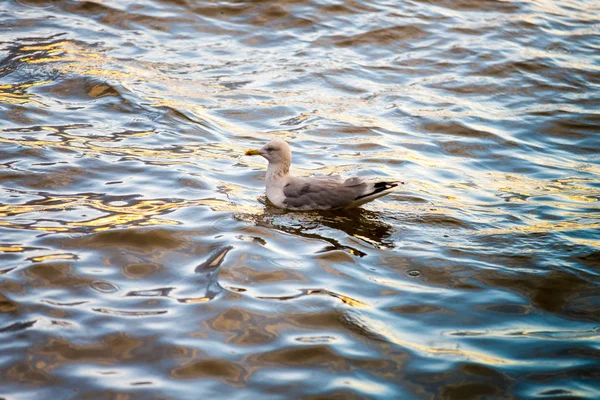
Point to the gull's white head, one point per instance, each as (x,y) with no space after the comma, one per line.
(276,152)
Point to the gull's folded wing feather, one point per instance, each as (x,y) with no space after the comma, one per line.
(322,192)
(326,193)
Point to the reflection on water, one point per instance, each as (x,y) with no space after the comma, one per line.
(357,224)
(140,258)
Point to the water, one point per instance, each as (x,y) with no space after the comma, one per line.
(141,260)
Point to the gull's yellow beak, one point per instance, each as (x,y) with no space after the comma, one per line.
(252,153)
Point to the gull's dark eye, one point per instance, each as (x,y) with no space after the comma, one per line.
(270,149)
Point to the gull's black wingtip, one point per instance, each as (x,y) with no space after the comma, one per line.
(379,186)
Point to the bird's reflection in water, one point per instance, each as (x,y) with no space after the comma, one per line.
(360,223)
(364,225)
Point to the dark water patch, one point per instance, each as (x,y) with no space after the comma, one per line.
(318,356)
(33,375)
(137,270)
(417,309)
(555,292)
(572,128)
(591,259)
(243,328)
(225,371)
(439,220)
(382,37)
(470,5)
(511,309)
(17,326)
(142,239)
(55,274)
(109,348)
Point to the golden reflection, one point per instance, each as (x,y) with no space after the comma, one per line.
(571,199)
(50,228)
(68,56)
(82,144)
(9,249)
(52,257)
(17,93)
(52,47)
(142,213)
(543,227)
(587,242)
(528,187)
(195,300)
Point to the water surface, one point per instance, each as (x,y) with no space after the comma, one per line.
(140,258)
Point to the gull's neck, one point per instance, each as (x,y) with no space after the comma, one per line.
(277,171)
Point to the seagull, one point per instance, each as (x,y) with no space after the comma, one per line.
(314,192)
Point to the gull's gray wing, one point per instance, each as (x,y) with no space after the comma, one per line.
(323,192)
